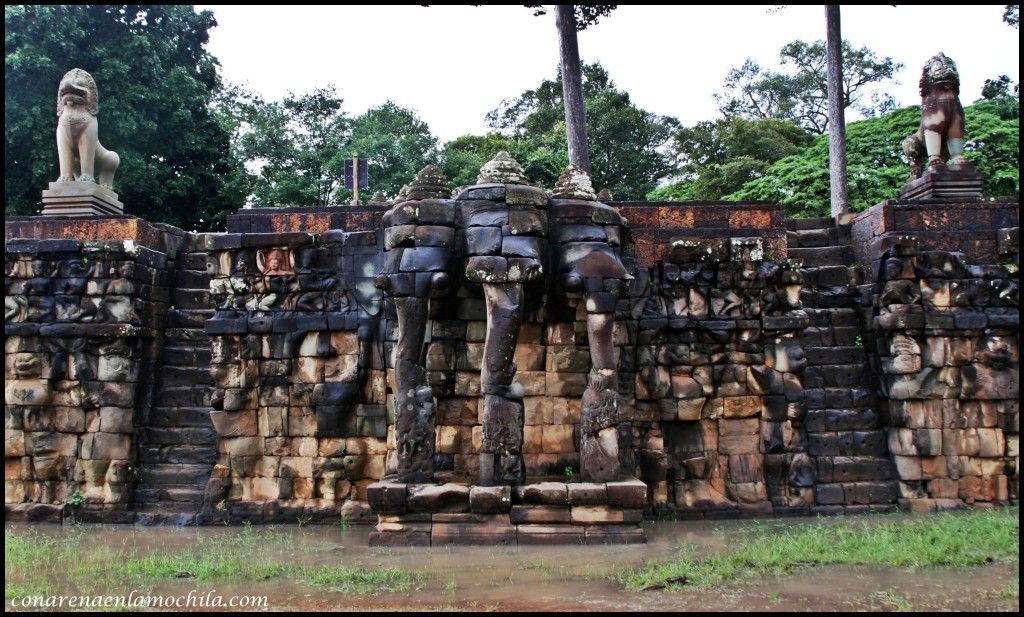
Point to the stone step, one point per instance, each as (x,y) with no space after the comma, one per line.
(188,396)
(160,436)
(191,299)
(190,336)
(823,256)
(168,474)
(169,493)
(810,223)
(827,276)
(840,296)
(160,515)
(188,318)
(835,354)
(809,238)
(178,454)
(194,260)
(180,416)
(192,279)
(171,376)
(186,355)
(826,420)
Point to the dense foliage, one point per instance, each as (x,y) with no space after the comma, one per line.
(629,151)
(717,158)
(463,157)
(875,165)
(156,85)
(800,92)
(193,150)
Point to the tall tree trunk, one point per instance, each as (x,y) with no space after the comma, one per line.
(836,120)
(572,87)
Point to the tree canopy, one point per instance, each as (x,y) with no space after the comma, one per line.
(462,158)
(876,169)
(396,141)
(294,146)
(629,151)
(717,158)
(800,94)
(156,84)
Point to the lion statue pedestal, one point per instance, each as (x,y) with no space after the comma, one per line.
(80,199)
(85,185)
(938,169)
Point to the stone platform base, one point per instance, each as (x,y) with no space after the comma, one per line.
(961,182)
(80,199)
(542,513)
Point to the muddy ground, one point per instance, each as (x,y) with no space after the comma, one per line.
(555,578)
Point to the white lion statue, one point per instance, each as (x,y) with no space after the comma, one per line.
(82,157)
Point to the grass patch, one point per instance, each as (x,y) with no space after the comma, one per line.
(348,579)
(949,539)
(898,603)
(34,562)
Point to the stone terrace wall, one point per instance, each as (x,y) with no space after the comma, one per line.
(867,369)
(84,323)
(947,340)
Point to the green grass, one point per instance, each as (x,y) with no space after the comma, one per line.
(31,560)
(950,539)
(898,603)
(360,580)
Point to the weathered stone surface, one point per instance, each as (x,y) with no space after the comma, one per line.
(540,514)
(437,498)
(603,515)
(490,499)
(543,493)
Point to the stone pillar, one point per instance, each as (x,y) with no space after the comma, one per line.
(419,236)
(504,232)
(587,235)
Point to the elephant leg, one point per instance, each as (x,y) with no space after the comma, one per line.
(599,435)
(414,405)
(501,453)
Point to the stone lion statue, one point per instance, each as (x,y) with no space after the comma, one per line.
(941,135)
(82,158)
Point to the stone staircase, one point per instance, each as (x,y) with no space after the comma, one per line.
(178,444)
(842,423)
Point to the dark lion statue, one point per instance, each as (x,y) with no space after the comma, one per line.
(941,135)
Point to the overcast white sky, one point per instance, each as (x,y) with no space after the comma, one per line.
(453,64)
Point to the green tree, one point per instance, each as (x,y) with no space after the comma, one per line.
(462,158)
(1011,15)
(801,94)
(628,146)
(397,143)
(156,85)
(570,19)
(717,158)
(295,145)
(876,169)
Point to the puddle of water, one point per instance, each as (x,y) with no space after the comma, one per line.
(557,578)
